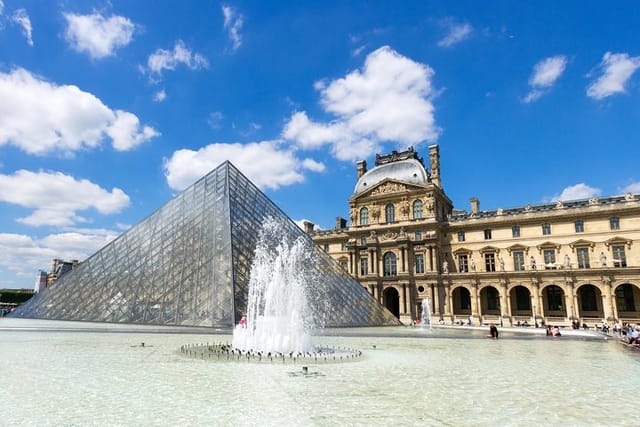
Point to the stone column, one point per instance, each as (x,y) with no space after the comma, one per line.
(431,263)
(608,305)
(475,302)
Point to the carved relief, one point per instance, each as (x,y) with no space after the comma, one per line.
(353,215)
(389,187)
(404,207)
(389,235)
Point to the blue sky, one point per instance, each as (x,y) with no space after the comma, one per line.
(110,108)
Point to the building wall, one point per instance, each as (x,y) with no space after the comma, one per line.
(560,293)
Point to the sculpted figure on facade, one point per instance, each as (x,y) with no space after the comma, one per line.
(445,267)
(353,215)
(603,259)
(389,187)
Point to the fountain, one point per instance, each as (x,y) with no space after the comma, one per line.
(426,313)
(279,314)
(281,308)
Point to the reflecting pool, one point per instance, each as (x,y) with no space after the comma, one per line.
(78,374)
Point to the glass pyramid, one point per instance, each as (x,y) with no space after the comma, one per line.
(189,263)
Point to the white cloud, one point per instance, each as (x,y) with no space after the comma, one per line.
(160,96)
(1,7)
(265,163)
(631,188)
(456,33)
(21,18)
(545,74)
(617,70)
(97,35)
(56,198)
(576,192)
(25,255)
(390,99)
(163,59)
(40,117)
(126,133)
(233,24)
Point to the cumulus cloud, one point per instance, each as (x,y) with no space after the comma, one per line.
(96,34)
(21,18)
(163,59)
(56,198)
(544,76)
(25,255)
(126,133)
(389,99)
(576,192)
(455,32)
(233,24)
(631,188)
(160,96)
(266,164)
(617,69)
(1,7)
(40,117)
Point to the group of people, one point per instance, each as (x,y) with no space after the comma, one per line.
(4,310)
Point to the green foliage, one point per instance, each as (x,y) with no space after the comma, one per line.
(15,296)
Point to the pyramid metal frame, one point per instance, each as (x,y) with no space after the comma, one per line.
(189,262)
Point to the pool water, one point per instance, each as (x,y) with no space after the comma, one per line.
(81,374)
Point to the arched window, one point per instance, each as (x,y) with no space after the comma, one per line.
(390,213)
(390,267)
(417,209)
(364,216)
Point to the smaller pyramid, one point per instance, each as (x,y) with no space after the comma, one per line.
(189,263)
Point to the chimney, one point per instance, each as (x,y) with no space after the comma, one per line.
(341,223)
(434,163)
(308,226)
(475,205)
(362,168)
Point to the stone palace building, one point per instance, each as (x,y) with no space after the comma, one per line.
(557,263)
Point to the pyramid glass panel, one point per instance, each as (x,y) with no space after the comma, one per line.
(189,263)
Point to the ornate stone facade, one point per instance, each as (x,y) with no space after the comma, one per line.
(559,262)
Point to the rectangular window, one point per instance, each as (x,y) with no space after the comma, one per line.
(614,223)
(579,225)
(518,261)
(418,235)
(343,264)
(463,263)
(326,247)
(487,234)
(490,262)
(344,246)
(546,229)
(419,263)
(460,236)
(624,298)
(549,258)
(583,257)
(515,231)
(619,257)
(364,266)
(363,241)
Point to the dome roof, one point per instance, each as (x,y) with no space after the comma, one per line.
(408,170)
